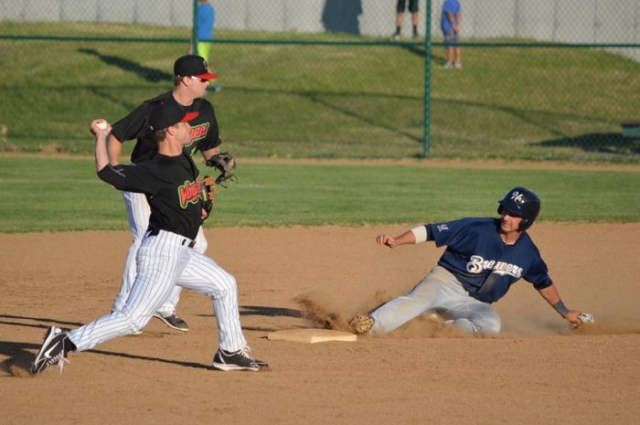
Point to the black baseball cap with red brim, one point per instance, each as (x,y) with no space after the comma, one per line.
(163,115)
(193,66)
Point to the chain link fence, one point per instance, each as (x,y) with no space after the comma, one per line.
(551,79)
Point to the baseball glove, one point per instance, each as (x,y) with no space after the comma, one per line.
(225,164)
(208,190)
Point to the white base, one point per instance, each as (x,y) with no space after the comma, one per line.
(311,336)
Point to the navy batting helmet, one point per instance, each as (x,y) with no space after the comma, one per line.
(522,202)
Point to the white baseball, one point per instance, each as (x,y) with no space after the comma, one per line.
(102,125)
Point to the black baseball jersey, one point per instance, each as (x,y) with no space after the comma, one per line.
(205,133)
(172,189)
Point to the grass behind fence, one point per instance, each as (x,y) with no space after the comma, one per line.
(328,101)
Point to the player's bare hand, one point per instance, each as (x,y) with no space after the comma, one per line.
(386,240)
(100,127)
(579,318)
(573,318)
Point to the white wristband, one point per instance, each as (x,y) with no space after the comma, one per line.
(420,233)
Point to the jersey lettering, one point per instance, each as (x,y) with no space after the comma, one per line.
(189,193)
(198,132)
(477,264)
(442,227)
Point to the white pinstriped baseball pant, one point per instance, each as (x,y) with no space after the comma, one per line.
(138,212)
(164,261)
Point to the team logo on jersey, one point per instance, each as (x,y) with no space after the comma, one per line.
(198,132)
(189,193)
(477,264)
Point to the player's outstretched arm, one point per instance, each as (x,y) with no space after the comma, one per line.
(552,296)
(404,239)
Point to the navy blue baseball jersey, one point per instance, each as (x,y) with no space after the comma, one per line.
(482,262)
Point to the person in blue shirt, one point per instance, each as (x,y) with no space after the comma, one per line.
(450,22)
(206,24)
(483,258)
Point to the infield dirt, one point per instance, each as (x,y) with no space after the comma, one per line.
(537,371)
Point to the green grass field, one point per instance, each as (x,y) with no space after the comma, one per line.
(324,102)
(327,101)
(49,194)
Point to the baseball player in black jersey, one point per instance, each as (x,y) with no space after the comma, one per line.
(191,79)
(166,257)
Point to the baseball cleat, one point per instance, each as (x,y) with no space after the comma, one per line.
(54,350)
(173,321)
(361,323)
(239,360)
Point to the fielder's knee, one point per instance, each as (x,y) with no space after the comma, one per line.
(228,287)
(134,325)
